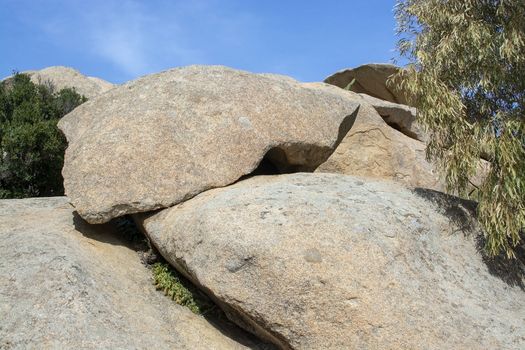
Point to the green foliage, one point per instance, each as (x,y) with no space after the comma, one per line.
(180,290)
(467,78)
(31,146)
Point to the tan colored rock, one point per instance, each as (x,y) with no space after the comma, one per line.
(65,77)
(324,261)
(375,150)
(400,117)
(68,285)
(370,79)
(161,139)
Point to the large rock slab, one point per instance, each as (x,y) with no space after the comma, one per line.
(374,149)
(68,285)
(164,138)
(401,117)
(370,79)
(65,77)
(322,261)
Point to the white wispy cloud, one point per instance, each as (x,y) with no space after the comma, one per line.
(140,37)
(133,38)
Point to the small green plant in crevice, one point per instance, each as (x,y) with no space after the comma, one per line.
(180,290)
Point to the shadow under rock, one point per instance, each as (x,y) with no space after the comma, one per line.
(346,126)
(276,160)
(462,213)
(114,232)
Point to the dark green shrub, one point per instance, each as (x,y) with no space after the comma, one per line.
(31,146)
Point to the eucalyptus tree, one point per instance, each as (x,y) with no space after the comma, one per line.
(466,76)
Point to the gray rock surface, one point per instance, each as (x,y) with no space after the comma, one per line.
(65,77)
(161,139)
(370,79)
(322,261)
(68,285)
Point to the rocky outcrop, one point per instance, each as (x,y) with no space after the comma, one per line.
(322,261)
(164,138)
(305,261)
(389,148)
(374,149)
(370,82)
(370,79)
(398,116)
(68,285)
(65,77)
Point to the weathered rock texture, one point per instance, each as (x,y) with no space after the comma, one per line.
(65,77)
(67,285)
(370,79)
(321,261)
(163,138)
(374,149)
(401,117)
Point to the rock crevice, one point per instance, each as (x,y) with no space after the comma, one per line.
(307,236)
(164,138)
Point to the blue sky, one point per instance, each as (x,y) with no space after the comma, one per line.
(119,40)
